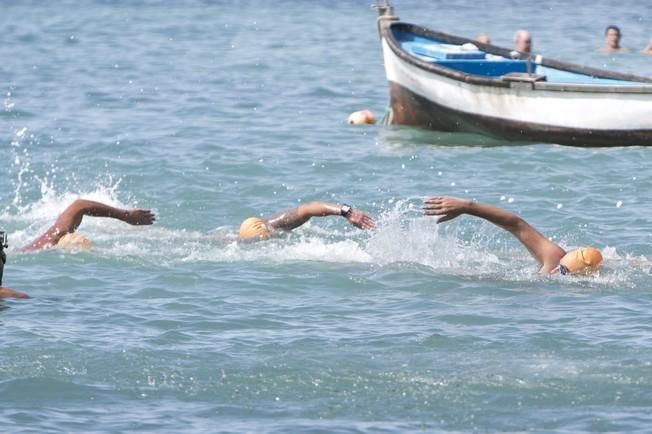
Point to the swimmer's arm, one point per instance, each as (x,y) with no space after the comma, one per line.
(295,217)
(542,249)
(71,218)
(7,292)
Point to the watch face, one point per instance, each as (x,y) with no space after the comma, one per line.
(345,211)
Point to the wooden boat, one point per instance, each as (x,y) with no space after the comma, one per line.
(449,83)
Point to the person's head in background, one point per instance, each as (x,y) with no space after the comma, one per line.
(523,41)
(482,38)
(612,37)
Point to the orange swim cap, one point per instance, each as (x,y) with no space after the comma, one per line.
(74,241)
(582,261)
(254,228)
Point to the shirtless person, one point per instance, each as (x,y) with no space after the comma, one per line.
(62,232)
(254,228)
(612,37)
(523,41)
(550,256)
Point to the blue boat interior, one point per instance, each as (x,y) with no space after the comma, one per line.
(469,59)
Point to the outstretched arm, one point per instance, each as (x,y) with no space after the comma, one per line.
(542,249)
(7,292)
(295,217)
(71,218)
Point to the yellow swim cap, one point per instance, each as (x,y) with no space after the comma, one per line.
(254,228)
(583,261)
(74,241)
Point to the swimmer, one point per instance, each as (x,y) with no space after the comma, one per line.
(612,38)
(551,257)
(62,232)
(254,228)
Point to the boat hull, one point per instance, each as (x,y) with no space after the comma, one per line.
(409,108)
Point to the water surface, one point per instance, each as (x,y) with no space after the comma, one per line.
(209,112)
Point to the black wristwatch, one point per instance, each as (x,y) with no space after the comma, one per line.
(346,210)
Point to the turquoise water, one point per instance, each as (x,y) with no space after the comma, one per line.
(209,112)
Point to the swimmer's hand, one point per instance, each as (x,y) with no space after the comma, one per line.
(445,206)
(361,219)
(7,292)
(138,217)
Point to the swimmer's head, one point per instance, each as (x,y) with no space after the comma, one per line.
(74,241)
(253,229)
(585,260)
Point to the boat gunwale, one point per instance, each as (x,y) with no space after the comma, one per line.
(386,28)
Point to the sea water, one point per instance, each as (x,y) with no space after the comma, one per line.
(211,112)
